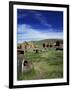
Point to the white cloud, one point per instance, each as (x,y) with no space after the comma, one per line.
(26,33)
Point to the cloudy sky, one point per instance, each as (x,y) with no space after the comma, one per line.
(35,25)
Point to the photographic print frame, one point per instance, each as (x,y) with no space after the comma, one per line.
(12,43)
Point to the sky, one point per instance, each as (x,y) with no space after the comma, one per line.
(34,25)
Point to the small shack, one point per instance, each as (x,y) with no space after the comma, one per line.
(22,64)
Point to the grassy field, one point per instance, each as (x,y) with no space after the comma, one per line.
(47,64)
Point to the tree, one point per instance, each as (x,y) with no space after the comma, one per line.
(44,45)
(47,45)
(36,50)
(50,45)
(57,43)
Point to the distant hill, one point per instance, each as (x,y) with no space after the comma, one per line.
(40,42)
(47,41)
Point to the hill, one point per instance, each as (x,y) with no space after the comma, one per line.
(47,41)
(40,42)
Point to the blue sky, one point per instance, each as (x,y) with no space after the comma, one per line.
(35,25)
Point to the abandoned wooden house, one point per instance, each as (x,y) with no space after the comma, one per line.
(22,64)
(26,65)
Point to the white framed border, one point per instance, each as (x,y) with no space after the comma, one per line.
(28,82)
